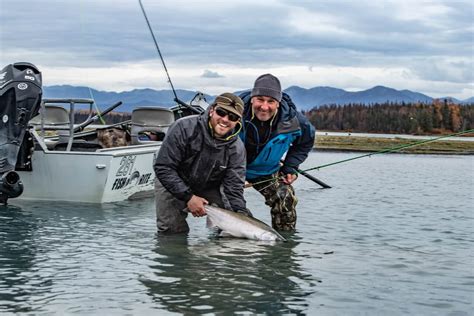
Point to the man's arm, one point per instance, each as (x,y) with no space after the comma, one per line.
(234,179)
(300,148)
(167,162)
(166,165)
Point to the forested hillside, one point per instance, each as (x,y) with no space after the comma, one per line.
(110,118)
(407,118)
(417,118)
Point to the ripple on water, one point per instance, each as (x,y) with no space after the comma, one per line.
(397,247)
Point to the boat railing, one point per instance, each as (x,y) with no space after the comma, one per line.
(147,125)
(54,115)
(59,115)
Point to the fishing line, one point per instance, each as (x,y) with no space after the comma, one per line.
(393,149)
(195,110)
(81,25)
(96,107)
(158,49)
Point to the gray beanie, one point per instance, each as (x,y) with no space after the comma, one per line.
(267,85)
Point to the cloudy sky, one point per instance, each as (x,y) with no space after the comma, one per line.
(217,46)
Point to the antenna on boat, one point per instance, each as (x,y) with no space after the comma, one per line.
(176,99)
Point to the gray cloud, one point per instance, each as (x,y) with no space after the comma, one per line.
(431,39)
(211,74)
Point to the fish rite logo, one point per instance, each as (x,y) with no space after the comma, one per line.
(2,75)
(126,177)
(134,179)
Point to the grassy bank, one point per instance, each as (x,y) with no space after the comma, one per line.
(372,144)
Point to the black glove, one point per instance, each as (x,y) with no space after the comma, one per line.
(245,211)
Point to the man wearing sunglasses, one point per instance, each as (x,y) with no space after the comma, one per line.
(201,161)
(272,126)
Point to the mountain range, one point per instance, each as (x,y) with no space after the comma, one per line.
(305,99)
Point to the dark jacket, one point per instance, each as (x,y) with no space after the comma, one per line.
(291,132)
(190,161)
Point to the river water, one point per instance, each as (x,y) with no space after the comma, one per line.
(394,236)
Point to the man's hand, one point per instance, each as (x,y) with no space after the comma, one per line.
(289,178)
(196,206)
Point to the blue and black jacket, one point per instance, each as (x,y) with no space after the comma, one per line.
(290,133)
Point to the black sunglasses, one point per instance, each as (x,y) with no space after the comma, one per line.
(222,113)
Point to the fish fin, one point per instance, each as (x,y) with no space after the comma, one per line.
(209,223)
(224,234)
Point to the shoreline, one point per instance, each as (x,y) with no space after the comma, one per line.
(462,137)
(375,144)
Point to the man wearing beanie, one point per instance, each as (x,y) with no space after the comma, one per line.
(201,161)
(272,126)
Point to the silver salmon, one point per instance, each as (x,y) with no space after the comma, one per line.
(239,225)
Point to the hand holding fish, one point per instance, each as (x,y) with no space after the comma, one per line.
(196,206)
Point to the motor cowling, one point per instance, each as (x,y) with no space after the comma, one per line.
(20,100)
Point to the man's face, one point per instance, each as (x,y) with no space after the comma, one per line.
(220,122)
(264,107)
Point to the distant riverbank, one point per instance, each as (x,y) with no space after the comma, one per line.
(375,143)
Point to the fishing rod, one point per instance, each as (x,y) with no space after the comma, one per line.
(384,151)
(302,172)
(313,178)
(393,149)
(310,177)
(176,99)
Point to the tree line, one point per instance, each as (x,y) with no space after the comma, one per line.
(110,118)
(440,116)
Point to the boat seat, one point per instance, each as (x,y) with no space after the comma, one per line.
(54,116)
(149,124)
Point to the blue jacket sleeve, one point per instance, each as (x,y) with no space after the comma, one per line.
(300,147)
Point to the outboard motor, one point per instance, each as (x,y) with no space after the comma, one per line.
(20,100)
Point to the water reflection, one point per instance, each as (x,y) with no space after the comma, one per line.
(17,256)
(33,242)
(223,274)
(395,234)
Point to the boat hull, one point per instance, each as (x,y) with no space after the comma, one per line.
(107,175)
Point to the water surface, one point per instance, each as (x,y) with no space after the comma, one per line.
(393,236)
